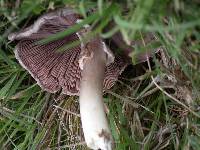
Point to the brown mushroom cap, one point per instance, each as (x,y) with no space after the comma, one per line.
(54,70)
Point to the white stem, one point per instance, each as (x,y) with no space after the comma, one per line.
(94,122)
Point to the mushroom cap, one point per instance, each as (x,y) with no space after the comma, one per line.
(52,69)
(47,25)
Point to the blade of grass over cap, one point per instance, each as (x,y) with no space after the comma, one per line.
(94,17)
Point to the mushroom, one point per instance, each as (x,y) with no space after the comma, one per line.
(84,70)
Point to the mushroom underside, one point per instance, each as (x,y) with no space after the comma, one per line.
(54,70)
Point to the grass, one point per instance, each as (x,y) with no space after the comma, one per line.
(143,113)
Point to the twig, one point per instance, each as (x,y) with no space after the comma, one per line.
(130,102)
(68,111)
(173,98)
(135,105)
(71,145)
